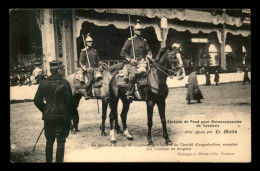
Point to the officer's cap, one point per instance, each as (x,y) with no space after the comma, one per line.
(89,39)
(55,64)
(138,26)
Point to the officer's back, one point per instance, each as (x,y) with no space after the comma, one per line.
(57,93)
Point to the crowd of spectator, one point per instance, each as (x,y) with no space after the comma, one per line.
(26,75)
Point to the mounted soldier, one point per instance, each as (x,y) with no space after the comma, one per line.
(89,61)
(135,51)
(56,112)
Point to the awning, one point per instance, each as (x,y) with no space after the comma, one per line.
(120,23)
(181,14)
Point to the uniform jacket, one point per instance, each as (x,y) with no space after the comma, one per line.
(141,48)
(58,95)
(93,58)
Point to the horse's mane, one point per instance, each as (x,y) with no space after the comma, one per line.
(115,67)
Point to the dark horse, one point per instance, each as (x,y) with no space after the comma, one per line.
(157,92)
(78,92)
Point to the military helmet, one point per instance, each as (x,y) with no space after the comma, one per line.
(89,39)
(138,26)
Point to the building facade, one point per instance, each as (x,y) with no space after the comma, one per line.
(208,38)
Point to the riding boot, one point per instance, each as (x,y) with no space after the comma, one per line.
(49,152)
(60,150)
(129,92)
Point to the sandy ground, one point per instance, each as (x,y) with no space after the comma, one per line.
(225,102)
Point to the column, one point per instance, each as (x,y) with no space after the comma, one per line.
(48,39)
(74,40)
(223,44)
(164,31)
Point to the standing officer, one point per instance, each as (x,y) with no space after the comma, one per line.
(140,50)
(57,111)
(89,60)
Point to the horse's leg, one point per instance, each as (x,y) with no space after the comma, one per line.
(117,127)
(76,116)
(161,109)
(104,116)
(123,115)
(113,112)
(149,107)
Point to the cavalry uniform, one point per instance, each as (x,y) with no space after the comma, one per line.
(140,50)
(88,61)
(56,112)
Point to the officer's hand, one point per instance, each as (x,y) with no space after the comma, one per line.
(150,57)
(133,62)
(89,69)
(84,67)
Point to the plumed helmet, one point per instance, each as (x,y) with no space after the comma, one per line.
(138,26)
(89,39)
(176,47)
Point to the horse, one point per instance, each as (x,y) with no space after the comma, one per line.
(78,91)
(157,91)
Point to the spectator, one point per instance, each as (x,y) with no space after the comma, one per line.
(246,77)
(216,79)
(37,73)
(193,92)
(207,79)
(202,70)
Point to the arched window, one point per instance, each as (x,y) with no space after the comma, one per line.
(228,49)
(229,57)
(244,54)
(213,52)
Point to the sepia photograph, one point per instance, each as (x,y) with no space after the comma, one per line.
(124,85)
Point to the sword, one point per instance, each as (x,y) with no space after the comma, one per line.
(131,37)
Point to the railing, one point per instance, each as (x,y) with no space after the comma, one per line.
(111,62)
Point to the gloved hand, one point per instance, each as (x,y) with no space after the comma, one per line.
(84,67)
(89,69)
(150,57)
(133,62)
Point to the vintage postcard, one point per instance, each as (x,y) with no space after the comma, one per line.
(130,85)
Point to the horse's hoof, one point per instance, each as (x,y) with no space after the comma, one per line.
(130,138)
(77,130)
(150,143)
(103,134)
(73,132)
(113,141)
(168,142)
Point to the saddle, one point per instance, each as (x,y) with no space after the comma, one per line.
(142,81)
(81,88)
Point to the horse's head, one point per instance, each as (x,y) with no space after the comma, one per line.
(170,62)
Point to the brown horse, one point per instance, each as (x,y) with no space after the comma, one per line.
(157,92)
(78,90)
